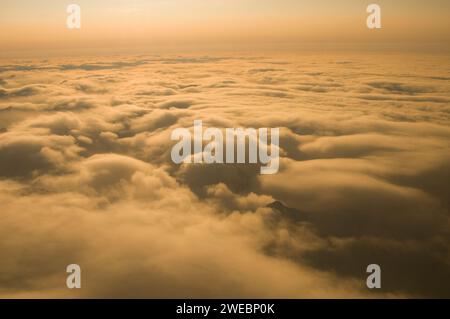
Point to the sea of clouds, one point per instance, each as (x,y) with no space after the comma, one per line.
(86,176)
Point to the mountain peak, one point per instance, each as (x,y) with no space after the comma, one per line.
(286,211)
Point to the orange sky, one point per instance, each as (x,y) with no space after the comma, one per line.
(122,24)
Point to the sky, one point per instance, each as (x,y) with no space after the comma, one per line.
(41,25)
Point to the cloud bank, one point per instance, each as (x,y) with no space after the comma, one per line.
(86,177)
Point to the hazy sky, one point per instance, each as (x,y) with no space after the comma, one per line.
(41,24)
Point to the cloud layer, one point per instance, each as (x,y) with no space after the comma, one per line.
(86,177)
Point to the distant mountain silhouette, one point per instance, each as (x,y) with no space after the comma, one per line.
(288,212)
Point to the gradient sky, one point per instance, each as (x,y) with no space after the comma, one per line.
(124,23)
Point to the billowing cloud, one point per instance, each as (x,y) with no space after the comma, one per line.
(86,177)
